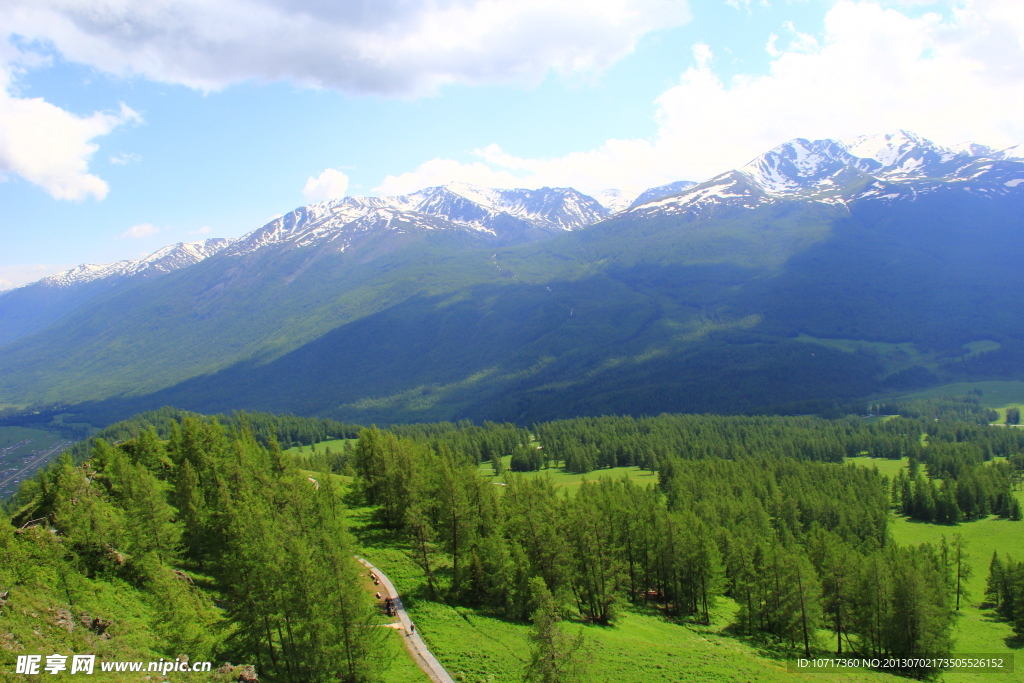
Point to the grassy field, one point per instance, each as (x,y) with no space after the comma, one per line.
(561,478)
(335,445)
(19,447)
(897,357)
(23,441)
(893,356)
(996,395)
(885,466)
(977,631)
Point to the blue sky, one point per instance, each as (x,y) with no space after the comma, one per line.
(128,125)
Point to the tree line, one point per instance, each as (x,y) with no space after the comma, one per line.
(1004,590)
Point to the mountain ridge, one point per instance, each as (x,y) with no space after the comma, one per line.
(501,301)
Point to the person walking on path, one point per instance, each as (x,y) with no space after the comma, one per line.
(413,642)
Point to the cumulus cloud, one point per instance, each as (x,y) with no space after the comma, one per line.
(205,230)
(49,146)
(873,69)
(139,231)
(386,46)
(331,184)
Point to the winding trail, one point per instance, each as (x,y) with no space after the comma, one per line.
(417,648)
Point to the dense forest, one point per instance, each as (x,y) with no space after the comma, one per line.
(754,508)
(243,556)
(240,555)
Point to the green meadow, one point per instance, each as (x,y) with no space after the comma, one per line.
(334,444)
(994,394)
(885,466)
(978,631)
(570,480)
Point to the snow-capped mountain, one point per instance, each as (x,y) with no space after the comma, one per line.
(499,213)
(615,200)
(391,308)
(884,166)
(505,216)
(662,191)
(161,261)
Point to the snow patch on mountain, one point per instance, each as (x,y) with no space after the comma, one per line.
(486,211)
(615,200)
(1015,153)
(163,260)
(888,166)
(888,149)
(662,191)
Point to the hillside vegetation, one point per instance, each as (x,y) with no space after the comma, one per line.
(753,543)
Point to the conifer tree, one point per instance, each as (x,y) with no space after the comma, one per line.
(556,658)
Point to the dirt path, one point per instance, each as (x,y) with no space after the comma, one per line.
(417,648)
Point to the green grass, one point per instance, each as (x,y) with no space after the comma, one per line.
(893,356)
(897,357)
(885,466)
(334,444)
(977,631)
(30,624)
(570,480)
(994,394)
(402,668)
(22,442)
(36,438)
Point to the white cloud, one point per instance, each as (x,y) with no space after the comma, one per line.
(385,46)
(441,171)
(139,231)
(125,158)
(873,70)
(5,284)
(205,230)
(49,146)
(331,184)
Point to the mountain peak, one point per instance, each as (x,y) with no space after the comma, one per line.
(894,164)
(483,196)
(888,148)
(615,200)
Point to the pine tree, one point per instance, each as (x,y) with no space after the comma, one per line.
(556,658)
(961,569)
